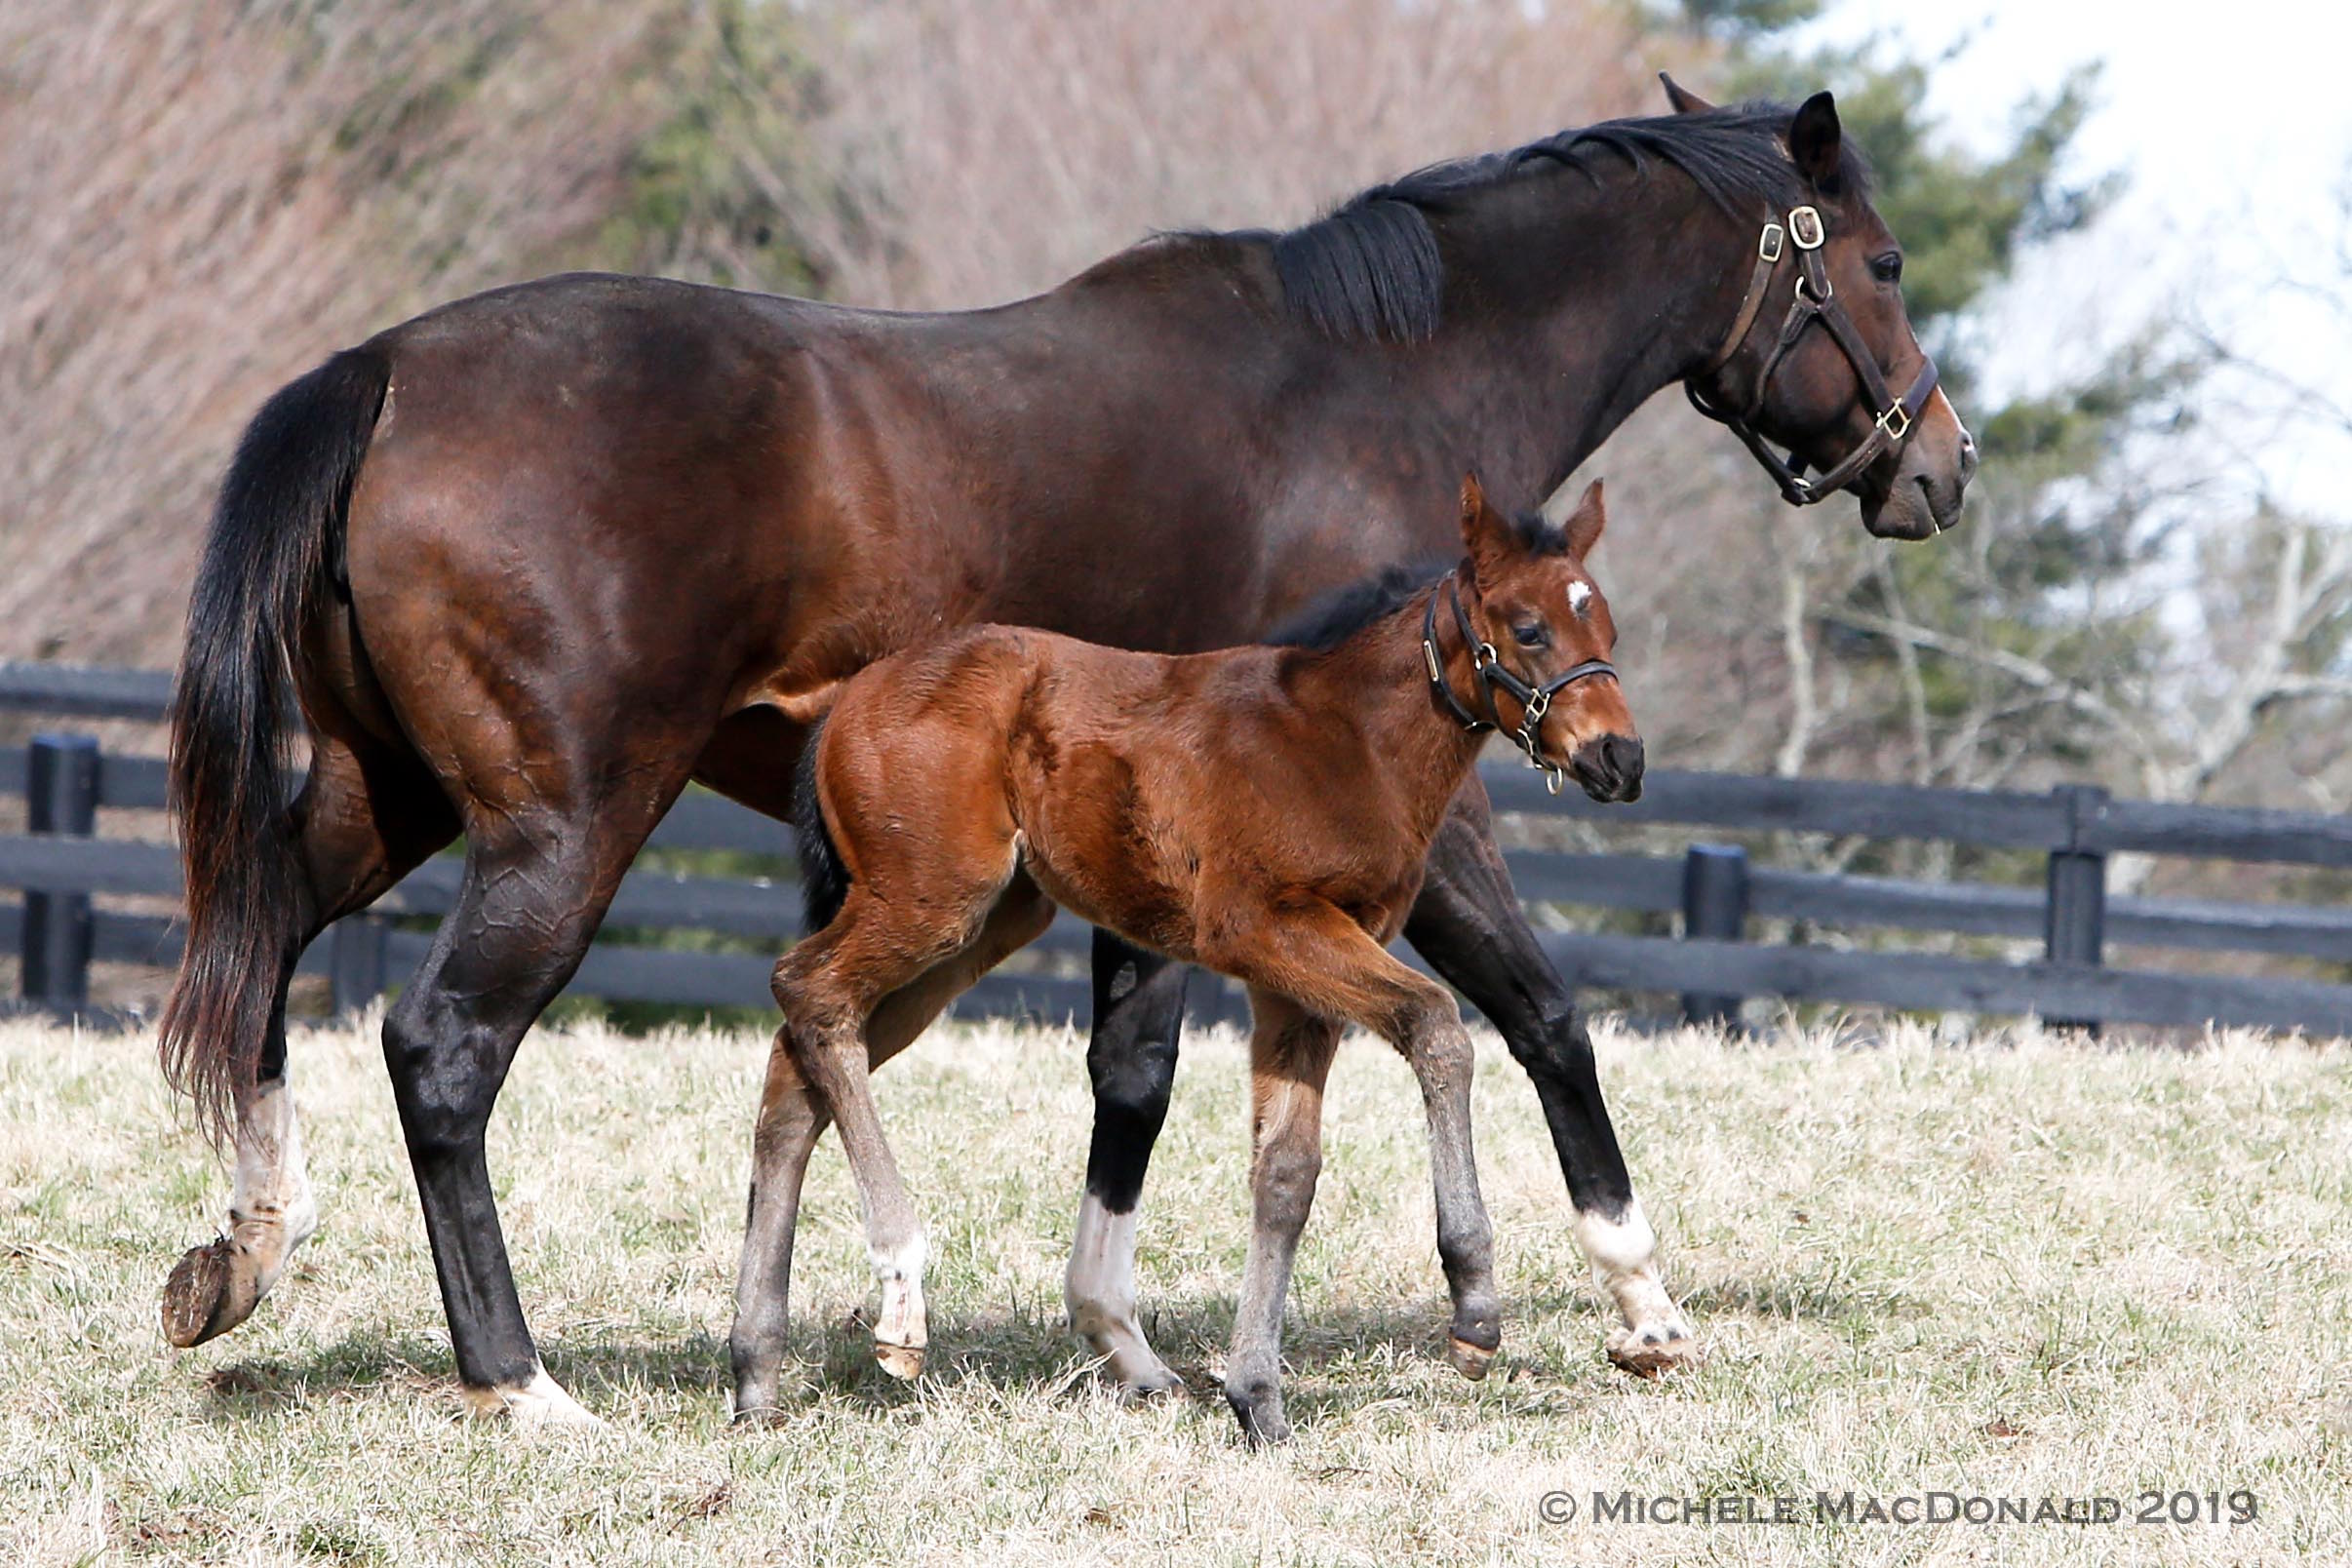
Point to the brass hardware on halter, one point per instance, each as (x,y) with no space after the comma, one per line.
(1812,298)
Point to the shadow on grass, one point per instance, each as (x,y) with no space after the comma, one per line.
(1337,1361)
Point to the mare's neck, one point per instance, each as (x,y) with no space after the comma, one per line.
(1569,302)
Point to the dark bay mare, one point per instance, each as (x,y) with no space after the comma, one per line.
(522,567)
(1261,812)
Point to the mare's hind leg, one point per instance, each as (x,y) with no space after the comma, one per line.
(535,887)
(365,817)
(793,1116)
(1290,1052)
(1469,924)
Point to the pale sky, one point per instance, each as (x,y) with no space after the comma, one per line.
(2236,133)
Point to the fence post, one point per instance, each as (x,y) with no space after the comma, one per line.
(357,960)
(1714,907)
(2074,920)
(61,796)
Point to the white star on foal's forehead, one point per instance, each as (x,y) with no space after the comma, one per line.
(1580,594)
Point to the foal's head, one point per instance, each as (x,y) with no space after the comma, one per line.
(1532,601)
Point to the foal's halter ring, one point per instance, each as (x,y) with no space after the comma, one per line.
(1812,299)
(1534,701)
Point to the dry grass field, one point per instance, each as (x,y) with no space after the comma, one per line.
(2030,1267)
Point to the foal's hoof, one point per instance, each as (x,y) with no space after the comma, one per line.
(1160,1383)
(1260,1417)
(1654,1349)
(902,1362)
(1470,1361)
(211,1290)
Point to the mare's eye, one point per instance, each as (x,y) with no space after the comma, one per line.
(1530,636)
(1888,268)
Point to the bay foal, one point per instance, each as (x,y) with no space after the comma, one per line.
(1264,811)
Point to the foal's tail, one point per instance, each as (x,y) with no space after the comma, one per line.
(275,549)
(824,879)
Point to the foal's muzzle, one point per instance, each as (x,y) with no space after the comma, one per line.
(1609,768)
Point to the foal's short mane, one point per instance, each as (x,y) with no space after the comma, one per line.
(1327,622)
(1370,268)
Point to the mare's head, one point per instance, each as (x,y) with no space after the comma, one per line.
(1821,358)
(1530,600)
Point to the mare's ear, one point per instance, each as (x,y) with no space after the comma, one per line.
(1486,534)
(1584,523)
(1685,101)
(1814,138)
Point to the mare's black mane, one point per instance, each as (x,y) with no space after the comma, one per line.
(1370,268)
(1330,620)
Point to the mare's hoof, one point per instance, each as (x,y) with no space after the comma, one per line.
(1470,1361)
(211,1290)
(902,1362)
(1654,1350)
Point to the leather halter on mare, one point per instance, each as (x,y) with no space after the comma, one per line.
(1534,700)
(1814,299)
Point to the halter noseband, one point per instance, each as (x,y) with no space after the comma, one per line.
(1534,700)
(1814,299)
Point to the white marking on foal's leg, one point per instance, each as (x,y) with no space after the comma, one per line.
(539,1402)
(271,1212)
(1100,1292)
(903,1333)
(1624,1254)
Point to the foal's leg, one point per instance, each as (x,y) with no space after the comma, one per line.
(1469,924)
(1131,1061)
(365,818)
(1290,1053)
(793,1116)
(1329,965)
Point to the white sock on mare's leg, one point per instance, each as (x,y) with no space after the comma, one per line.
(539,1402)
(1624,1254)
(218,1285)
(903,1333)
(1099,1291)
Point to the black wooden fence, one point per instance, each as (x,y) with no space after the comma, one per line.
(59,865)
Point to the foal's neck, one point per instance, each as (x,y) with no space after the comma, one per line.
(1376,681)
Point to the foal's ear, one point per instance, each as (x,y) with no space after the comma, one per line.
(1585,524)
(1685,101)
(1814,138)
(1486,534)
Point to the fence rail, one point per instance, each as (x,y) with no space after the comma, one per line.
(58,866)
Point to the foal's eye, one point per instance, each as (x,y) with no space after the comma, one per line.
(1531,635)
(1888,268)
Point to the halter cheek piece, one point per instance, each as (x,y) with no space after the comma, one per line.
(1534,700)
(1812,301)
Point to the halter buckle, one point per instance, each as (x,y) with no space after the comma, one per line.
(1483,657)
(1895,422)
(1769,242)
(1805,227)
(1804,286)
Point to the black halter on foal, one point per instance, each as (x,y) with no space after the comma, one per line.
(1814,299)
(1534,700)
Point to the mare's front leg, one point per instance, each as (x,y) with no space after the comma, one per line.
(1469,924)
(1131,1063)
(1290,1052)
